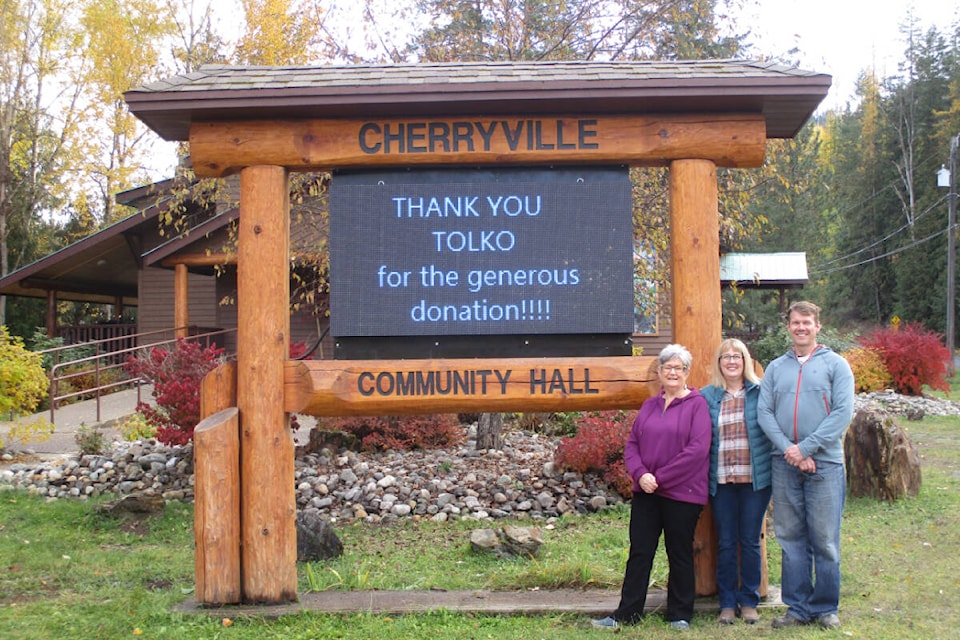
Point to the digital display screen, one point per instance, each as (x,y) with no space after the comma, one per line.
(481,252)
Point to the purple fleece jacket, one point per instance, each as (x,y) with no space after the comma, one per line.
(673,445)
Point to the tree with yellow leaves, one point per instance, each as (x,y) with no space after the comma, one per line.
(279,32)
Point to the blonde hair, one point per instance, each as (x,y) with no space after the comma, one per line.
(749,369)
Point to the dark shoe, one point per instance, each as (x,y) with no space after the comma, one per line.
(727,616)
(829,621)
(749,615)
(787,620)
(606,623)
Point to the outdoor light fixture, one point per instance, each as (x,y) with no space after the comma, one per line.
(943,176)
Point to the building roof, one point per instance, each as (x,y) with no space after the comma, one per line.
(784,270)
(106,264)
(785,96)
(100,267)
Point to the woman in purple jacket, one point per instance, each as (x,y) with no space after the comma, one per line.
(667,455)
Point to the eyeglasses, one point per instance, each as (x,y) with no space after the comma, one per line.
(732,357)
(670,368)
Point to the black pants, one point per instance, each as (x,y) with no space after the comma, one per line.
(649,515)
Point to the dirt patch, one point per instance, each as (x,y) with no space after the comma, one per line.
(38,591)
(28,458)
(137,524)
(158,585)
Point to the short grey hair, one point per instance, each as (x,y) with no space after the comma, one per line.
(675,352)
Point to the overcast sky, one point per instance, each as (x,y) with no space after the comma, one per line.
(838,37)
(841,37)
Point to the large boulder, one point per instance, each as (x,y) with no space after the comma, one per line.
(508,541)
(138,503)
(316,539)
(881,461)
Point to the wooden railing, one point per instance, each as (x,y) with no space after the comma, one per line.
(86,333)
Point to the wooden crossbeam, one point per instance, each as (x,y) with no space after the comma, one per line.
(729,140)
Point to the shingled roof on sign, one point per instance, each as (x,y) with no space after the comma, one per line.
(785,96)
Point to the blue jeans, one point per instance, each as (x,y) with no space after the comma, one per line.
(738,511)
(807,509)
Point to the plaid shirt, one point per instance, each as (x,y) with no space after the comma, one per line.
(733,464)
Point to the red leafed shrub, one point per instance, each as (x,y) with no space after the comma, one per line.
(176,376)
(298,349)
(914,357)
(400,433)
(598,447)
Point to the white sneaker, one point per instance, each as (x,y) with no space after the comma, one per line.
(606,623)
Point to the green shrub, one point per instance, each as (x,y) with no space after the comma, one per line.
(90,440)
(869,371)
(23,383)
(913,355)
(136,426)
(400,433)
(564,423)
(40,341)
(555,424)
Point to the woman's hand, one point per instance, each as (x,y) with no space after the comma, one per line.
(648,482)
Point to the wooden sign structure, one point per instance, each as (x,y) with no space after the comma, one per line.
(691,117)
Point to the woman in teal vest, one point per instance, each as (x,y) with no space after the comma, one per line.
(739,480)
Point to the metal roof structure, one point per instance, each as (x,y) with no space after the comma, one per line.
(785,96)
(783,270)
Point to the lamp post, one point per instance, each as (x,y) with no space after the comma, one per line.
(946,178)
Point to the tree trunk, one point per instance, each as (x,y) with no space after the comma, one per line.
(490,431)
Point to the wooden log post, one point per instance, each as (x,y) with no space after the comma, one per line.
(218,391)
(695,251)
(268,508)
(181,297)
(216,520)
(51,313)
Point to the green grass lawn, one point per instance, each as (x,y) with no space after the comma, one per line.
(69,572)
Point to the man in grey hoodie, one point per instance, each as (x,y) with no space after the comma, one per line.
(805,406)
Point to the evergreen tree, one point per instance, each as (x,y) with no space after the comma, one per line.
(920,269)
